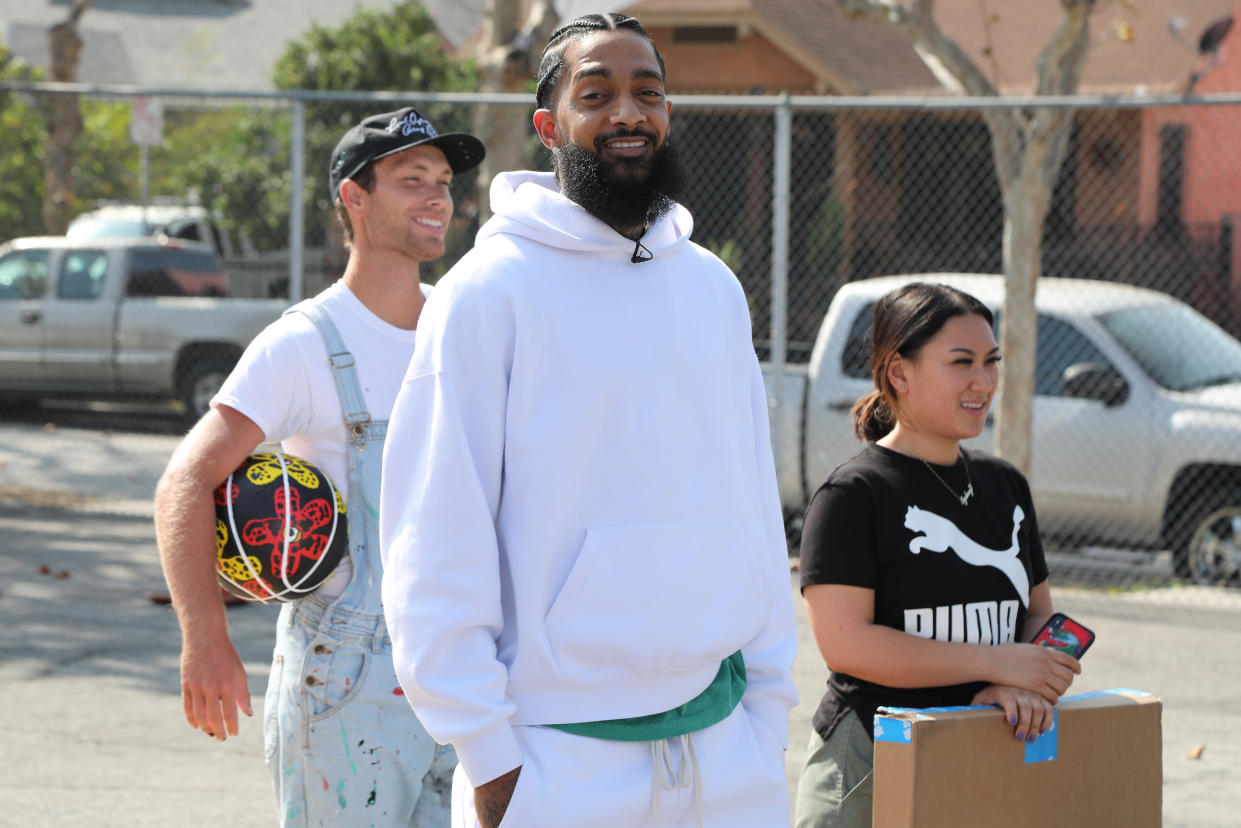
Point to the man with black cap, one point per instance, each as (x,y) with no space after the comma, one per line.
(585,570)
(342,745)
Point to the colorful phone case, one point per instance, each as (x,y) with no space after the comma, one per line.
(1063,633)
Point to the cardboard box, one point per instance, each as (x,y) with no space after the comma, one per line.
(1099,766)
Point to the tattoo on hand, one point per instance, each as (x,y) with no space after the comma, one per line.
(491,800)
(492,813)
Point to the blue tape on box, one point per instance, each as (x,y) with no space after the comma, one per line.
(888,729)
(899,710)
(893,730)
(1115,691)
(1043,749)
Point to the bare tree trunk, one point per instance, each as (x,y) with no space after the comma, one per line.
(1028,150)
(1023,231)
(508,59)
(64,124)
(1027,198)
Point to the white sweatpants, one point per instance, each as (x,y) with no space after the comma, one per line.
(570,781)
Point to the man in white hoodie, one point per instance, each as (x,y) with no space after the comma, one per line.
(585,573)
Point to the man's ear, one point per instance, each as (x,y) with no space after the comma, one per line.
(351,194)
(545,126)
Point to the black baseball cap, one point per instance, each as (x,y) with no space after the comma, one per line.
(379,136)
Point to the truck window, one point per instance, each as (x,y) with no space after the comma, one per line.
(1059,346)
(82,274)
(220,241)
(175,272)
(855,359)
(23,274)
(184,229)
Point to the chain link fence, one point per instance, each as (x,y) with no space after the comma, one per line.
(1137,467)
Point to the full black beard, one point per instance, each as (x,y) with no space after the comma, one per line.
(625,195)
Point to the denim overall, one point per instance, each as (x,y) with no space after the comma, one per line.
(342,743)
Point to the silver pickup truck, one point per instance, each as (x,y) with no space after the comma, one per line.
(1136,419)
(132,317)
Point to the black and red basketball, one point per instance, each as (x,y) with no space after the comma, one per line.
(280,528)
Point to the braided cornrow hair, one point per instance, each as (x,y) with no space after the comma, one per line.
(551,66)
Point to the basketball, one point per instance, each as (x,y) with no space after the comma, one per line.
(280,529)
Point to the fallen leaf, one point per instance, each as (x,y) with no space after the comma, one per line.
(64,573)
(44,569)
(1196,752)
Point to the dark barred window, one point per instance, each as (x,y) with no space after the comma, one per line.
(704,34)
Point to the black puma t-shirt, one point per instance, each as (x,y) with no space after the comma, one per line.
(939,569)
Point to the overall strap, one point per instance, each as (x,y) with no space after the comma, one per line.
(352,405)
(362,593)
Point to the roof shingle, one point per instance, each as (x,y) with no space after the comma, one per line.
(1132,52)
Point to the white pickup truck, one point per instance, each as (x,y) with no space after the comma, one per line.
(132,317)
(1136,420)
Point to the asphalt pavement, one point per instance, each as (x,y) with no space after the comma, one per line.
(91,726)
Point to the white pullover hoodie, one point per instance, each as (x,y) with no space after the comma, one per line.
(579,518)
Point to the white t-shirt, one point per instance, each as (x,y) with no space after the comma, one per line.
(284,383)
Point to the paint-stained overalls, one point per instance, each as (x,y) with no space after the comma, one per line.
(342,743)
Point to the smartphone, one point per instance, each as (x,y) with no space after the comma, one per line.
(1064,634)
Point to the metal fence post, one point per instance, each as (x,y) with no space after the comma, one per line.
(297,216)
(782,147)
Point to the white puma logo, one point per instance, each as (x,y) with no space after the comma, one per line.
(939,534)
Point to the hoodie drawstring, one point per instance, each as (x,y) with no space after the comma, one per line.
(640,253)
(686,775)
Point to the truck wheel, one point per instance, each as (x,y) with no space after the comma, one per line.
(201,382)
(1210,547)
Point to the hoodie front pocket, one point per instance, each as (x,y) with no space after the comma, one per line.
(650,598)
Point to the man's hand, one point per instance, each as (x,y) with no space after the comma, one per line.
(213,687)
(491,799)
(213,682)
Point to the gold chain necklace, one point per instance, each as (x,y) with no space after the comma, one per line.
(969,489)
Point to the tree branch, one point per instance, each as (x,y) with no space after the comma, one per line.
(989,42)
(953,68)
(79,8)
(508,54)
(939,52)
(1060,67)
(1061,62)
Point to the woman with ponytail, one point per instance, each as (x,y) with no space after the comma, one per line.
(921,565)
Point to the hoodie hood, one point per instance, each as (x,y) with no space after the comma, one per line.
(530,205)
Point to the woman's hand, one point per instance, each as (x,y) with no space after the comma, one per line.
(1042,670)
(1030,714)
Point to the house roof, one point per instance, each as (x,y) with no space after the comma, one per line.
(849,57)
(233,44)
(1133,52)
(103,59)
(189,44)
